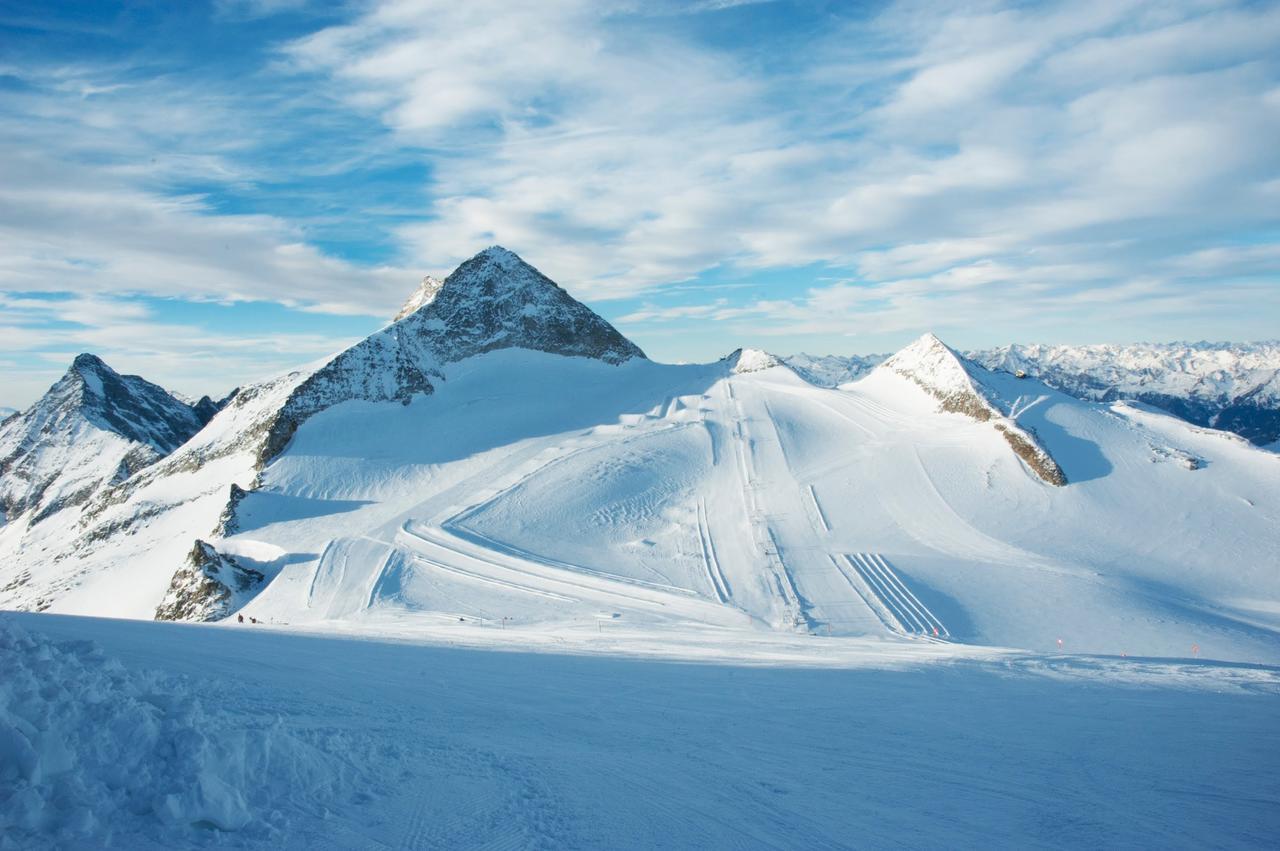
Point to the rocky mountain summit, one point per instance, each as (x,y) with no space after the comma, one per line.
(92,428)
(493,301)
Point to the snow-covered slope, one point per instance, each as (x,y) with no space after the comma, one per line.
(493,301)
(502,457)
(962,387)
(94,427)
(1235,387)
(158,736)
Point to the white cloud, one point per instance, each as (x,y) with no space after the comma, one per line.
(993,168)
(625,158)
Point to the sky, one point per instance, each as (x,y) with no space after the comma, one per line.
(207,194)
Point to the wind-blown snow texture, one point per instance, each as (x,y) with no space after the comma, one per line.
(93,753)
(246,737)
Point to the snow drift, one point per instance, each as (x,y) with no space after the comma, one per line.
(90,749)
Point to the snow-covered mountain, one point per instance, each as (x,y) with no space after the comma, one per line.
(501,455)
(1235,387)
(1230,386)
(5,413)
(94,427)
(832,370)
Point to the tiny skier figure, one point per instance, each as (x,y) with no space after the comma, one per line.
(240,618)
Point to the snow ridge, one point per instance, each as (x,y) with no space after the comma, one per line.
(1231,386)
(93,427)
(959,388)
(423,295)
(741,361)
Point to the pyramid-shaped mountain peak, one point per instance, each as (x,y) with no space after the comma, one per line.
(496,300)
(493,301)
(930,361)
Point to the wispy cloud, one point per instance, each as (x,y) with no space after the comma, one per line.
(1081,170)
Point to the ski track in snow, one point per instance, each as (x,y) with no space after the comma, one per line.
(895,596)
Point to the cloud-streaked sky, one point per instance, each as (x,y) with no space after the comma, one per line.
(209,193)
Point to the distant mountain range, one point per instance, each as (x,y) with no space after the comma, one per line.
(500,453)
(1230,386)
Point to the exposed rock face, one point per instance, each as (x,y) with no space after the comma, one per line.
(93,428)
(493,301)
(206,587)
(949,378)
(228,522)
(425,292)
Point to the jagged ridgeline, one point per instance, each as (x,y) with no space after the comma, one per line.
(498,450)
(94,428)
(100,442)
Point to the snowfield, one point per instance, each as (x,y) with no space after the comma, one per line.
(258,737)
(492,578)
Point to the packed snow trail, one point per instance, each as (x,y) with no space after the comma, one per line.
(909,614)
(408,745)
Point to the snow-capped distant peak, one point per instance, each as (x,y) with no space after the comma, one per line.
(423,295)
(93,427)
(751,360)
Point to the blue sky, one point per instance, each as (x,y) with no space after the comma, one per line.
(206,194)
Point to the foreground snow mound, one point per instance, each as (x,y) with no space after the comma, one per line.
(88,748)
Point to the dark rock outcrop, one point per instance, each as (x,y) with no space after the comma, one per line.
(206,587)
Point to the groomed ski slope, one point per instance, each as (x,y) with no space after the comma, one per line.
(256,737)
(561,497)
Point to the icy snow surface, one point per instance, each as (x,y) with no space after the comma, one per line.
(306,741)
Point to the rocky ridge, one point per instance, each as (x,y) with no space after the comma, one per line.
(93,428)
(957,385)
